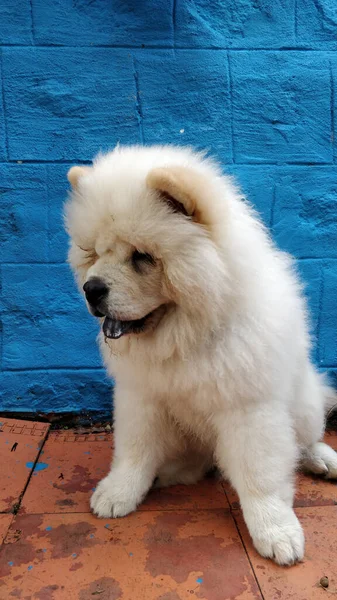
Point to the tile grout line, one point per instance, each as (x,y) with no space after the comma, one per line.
(232,513)
(247,554)
(17,505)
(142,511)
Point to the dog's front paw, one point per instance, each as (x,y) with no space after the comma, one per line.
(110,500)
(282,543)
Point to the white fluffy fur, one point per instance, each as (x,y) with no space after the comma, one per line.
(225,377)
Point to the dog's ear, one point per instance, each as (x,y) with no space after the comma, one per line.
(185,190)
(75,173)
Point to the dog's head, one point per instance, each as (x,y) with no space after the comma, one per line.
(144,226)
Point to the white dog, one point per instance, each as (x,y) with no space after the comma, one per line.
(204,329)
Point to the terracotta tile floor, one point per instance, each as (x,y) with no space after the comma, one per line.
(184,542)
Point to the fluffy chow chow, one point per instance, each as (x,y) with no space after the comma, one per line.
(204,328)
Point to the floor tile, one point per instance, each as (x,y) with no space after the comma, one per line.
(206,494)
(145,556)
(20,443)
(311,490)
(76,462)
(5,521)
(301,581)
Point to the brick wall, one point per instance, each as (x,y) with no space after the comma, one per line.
(254,80)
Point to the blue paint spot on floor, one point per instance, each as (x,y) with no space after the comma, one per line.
(199,580)
(86,452)
(11,563)
(49,528)
(44,549)
(91,535)
(93,489)
(40,466)
(74,555)
(131,554)
(30,567)
(107,526)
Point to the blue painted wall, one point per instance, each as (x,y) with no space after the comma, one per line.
(254,80)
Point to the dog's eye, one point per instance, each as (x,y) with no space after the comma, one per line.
(141,258)
(89,255)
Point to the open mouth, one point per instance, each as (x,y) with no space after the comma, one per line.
(114,328)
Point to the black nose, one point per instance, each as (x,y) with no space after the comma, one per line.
(95,290)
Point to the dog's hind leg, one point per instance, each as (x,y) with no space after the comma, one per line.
(313,399)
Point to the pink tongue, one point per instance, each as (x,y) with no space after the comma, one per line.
(115,329)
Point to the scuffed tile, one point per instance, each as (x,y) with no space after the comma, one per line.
(76,464)
(206,494)
(20,442)
(5,521)
(301,581)
(147,555)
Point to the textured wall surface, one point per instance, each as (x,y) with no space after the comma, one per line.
(254,80)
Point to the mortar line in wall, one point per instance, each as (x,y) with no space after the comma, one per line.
(139,109)
(32,28)
(272,209)
(324,14)
(4,106)
(98,369)
(47,369)
(230,82)
(174,20)
(65,264)
(319,318)
(332,110)
(171,47)
(48,212)
(295,21)
(23,162)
